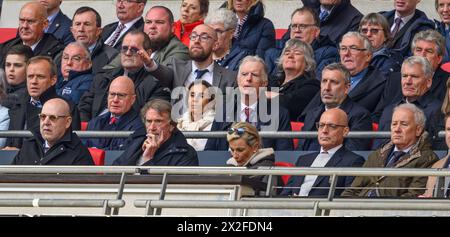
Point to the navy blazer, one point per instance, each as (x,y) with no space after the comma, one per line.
(342,158)
(110,28)
(60,28)
(130,121)
(277,144)
(358,120)
(174,152)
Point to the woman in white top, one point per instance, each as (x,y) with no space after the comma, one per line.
(200,112)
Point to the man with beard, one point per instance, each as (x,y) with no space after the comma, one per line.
(180,73)
(158,25)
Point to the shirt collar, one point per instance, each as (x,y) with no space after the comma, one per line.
(129,24)
(404,150)
(332,150)
(210,67)
(91,48)
(52,17)
(404,19)
(252,107)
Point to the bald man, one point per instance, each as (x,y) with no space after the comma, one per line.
(121,115)
(55,143)
(203,42)
(31,31)
(332,129)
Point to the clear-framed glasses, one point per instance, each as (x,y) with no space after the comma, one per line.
(331,126)
(301,26)
(121,96)
(352,49)
(53,118)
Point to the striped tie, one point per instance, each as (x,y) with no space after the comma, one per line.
(116,35)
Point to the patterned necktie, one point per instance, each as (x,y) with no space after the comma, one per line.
(398,22)
(323,15)
(200,73)
(395,157)
(116,34)
(36,103)
(247,114)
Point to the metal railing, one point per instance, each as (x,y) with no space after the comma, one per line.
(321,207)
(209,134)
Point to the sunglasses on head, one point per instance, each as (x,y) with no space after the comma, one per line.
(238,131)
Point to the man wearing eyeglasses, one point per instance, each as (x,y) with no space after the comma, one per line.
(121,115)
(129,13)
(41,79)
(305,26)
(332,129)
(94,101)
(407,148)
(366,82)
(334,89)
(31,32)
(203,41)
(76,72)
(56,143)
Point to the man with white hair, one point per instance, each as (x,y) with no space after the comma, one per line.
(408,148)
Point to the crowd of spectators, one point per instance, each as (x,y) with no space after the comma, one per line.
(334,70)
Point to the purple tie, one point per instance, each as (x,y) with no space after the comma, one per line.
(116,35)
(398,22)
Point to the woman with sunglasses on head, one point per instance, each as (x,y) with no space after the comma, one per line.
(376,28)
(200,112)
(192,13)
(246,151)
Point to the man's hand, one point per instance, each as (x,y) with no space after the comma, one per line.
(145,56)
(151,145)
(10,148)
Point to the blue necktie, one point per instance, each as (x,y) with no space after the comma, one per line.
(323,15)
(36,103)
(394,158)
(200,73)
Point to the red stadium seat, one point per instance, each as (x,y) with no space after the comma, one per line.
(296,126)
(279,33)
(98,155)
(84,126)
(7,34)
(285,178)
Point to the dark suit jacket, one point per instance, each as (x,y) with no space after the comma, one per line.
(110,28)
(60,28)
(369,90)
(68,151)
(358,120)
(94,101)
(403,38)
(177,72)
(277,144)
(25,114)
(48,46)
(342,158)
(174,152)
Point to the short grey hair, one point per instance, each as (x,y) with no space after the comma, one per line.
(222,16)
(82,47)
(419,115)
(363,38)
(430,36)
(427,69)
(341,68)
(308,52)
(255,58)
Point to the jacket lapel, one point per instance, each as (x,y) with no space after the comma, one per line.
(185,72)
(333,162)
(217,76)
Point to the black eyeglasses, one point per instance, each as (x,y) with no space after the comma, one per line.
(238,131)
(125,48)
(52,117)
(202,37)
(373,31)
(121,96)
(331,126)
(352,49)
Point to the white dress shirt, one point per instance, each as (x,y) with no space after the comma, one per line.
(206,77)
(253,113)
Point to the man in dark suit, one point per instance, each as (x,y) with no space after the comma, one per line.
(41,79)
(417,74)
(201,66)
(332,128)
(55,143)
(58,23)
(32,23)
(405,21)
(121,116)
(252,106)
(94,101)
(366,83)
(431,45)
(334,88)
(129,13)
(86,29)
(160,143)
